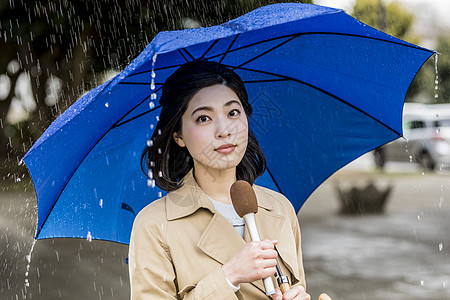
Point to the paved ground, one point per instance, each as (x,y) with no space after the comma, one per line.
(402,254)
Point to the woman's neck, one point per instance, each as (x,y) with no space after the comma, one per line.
(216,183)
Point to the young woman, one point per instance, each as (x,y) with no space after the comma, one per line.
(191,244)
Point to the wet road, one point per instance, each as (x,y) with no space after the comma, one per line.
(402,254)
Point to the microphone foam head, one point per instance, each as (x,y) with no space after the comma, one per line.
(243,198)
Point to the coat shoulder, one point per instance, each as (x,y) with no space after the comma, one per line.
(154,212)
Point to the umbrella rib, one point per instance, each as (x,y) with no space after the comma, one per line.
(264,53)
(131,110)
(229,47)
(274,181)
(209,48)
(321,90)
(179,51)
(135,117)
(156,69)
(190,55)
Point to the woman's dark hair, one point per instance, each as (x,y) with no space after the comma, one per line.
(167,163)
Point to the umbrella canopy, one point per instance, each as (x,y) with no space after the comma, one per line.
(325,89)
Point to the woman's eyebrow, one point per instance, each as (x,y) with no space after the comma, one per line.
(210,108)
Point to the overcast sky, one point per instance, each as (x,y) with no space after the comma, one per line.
(432,17)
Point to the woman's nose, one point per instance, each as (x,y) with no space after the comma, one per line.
(223,129)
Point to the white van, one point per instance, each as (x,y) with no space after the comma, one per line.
(426,130)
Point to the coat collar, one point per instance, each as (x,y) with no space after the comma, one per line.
(190,197)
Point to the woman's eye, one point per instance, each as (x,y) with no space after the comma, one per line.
(234,113)
(202,119)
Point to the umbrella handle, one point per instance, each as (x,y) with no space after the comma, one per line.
(324,297)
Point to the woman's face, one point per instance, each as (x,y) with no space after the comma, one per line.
(214,128)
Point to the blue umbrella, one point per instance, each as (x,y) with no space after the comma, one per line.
(325,89)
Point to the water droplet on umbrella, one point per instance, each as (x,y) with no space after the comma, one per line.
(151,105)
(153,96)
(151,183)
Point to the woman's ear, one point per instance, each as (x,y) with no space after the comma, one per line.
(178,139)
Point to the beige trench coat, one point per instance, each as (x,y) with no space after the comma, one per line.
(179,243)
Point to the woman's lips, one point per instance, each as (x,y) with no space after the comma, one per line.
(225,149)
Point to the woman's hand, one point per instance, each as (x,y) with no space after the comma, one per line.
(295,293)
(256,260)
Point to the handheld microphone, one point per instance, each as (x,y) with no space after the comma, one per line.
(244,201)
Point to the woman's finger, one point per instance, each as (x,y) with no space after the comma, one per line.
(278,295)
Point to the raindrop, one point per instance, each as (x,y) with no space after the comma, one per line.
(152,126)
(159,131)
(152,84)
(101,203)
(149,143)
(153,96)
(151,105)
(150,174)
(153,74)
(159,151)
(106,104)
(159,194)
(157,119)
(151,183)
(152,164)
(28,258)
(441,247)
(422,283)
(89,237)
(441,201)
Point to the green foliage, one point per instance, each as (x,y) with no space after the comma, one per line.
(425,80)
(391,18)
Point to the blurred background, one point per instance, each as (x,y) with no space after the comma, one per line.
(377,229)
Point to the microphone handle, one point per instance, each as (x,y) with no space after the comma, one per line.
(254,235)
